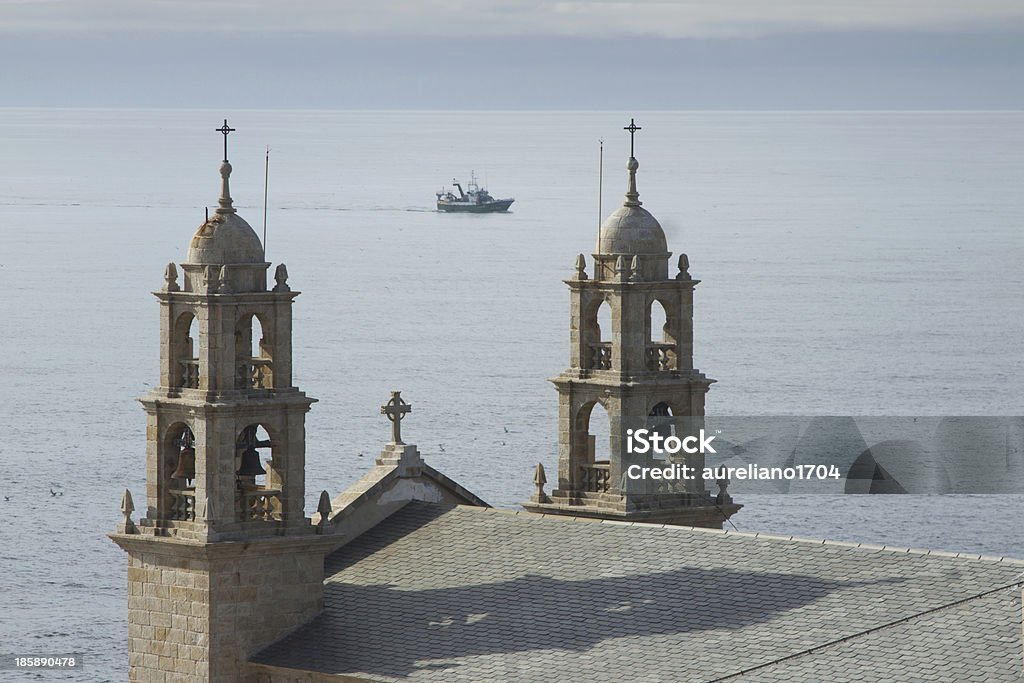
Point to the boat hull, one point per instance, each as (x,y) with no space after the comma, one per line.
(496,206)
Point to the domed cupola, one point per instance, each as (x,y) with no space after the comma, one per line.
(225,237)
(631,229)
(632,233)
(225,253)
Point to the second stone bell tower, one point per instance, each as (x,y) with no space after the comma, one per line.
(640,376)
(224,560)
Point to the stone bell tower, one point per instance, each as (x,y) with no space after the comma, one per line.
(225,560)
(641,377)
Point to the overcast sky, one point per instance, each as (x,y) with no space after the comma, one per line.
(577,54)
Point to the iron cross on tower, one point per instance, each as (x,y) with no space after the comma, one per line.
(396,409)
(224,130)
(632,128)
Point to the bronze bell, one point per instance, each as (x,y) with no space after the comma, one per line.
(186,464)
(251,466)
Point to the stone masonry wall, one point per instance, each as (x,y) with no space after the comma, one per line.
(168,618)
(199,615)
(256,600)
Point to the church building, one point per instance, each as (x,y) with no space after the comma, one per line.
(409,576)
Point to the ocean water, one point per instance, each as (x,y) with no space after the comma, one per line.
(852,263)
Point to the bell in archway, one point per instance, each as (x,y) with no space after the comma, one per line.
(186,464)
(251,466)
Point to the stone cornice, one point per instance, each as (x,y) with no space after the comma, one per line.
(266,296)
(180,548)
(223,403)
(614,381)
(642,285)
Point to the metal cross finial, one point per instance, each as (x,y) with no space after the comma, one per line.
(224,130)
(396,409)
(632,128)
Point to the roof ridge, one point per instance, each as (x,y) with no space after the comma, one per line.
(865,632)
(900,550)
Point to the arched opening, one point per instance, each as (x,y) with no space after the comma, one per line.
(256,338)
(594,441)
(257,477)
(604,322)
(601,334)
(656,322)
(185,352)
(179,466)
(253,354)
(599,434)
(661,420)
(661,345)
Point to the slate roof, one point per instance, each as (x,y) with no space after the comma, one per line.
(474,594)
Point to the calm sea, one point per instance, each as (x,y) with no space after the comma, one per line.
(852,263)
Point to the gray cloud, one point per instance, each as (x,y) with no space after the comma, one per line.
(853,70)
(584,18)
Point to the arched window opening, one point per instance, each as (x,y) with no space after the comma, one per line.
(253,357)
(256,337)
(604,322)
(599,434)
(595,437)
(185,352)
(257,480)
(656,322)
(180,468)
(661,345)
(661,421)
(601,349)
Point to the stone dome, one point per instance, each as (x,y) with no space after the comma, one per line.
(225,239)
(631,230)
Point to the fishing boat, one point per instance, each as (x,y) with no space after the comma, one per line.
(474,199)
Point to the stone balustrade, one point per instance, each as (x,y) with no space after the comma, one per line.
(261,504)
(190,373)
(595,478)
(601,356)
(255,373)
(183,505)
(661,357)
